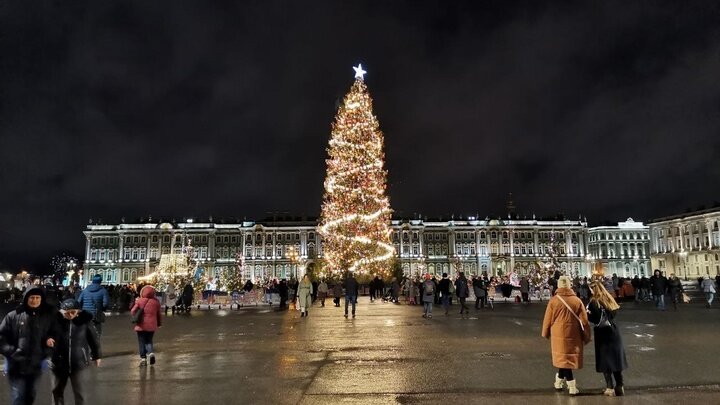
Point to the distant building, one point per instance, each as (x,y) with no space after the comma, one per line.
(623,249)
(687,244)
(124,252)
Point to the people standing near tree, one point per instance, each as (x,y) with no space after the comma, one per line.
(170,297)
(635,282)
(322,292)
(27,336)
(609,350)
(658,286)
(427,289)
(675,289)
(372,285)
(75,334)
(566,325)
(147,324)
(95,300)
(380,288)
(283,292)
(708,287)
(305,290)
(462,291)
(479,292)
(525,289)
(351,292)
(314,290)
(395,290)
(444,288)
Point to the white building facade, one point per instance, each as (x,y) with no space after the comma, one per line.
(122,253)
(623,249)
(687,244)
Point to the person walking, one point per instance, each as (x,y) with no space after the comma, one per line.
(428,295)
(305,289)
(609,351)
(444,288)
(351,293)
(95,300)
(337,292)
(322,292)
(462,291)
(658,286)
(675,289)
(147,324)
(75,334)
(708,287)
(27,336)
(566,325)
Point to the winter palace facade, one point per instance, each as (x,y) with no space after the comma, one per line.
(687,244)
(123,252)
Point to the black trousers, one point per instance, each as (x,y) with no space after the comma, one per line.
(609,379)
(565,373)
(59,382)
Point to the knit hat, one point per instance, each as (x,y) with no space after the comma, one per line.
(70,304)
(564,282)
(97,279)
(428,276)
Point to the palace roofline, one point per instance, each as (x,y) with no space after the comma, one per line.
(687,214)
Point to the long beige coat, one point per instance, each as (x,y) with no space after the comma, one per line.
(563,329)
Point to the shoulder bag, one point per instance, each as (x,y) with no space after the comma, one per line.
(572,312)
(137,317)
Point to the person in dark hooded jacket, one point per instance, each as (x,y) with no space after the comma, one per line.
(27,336)
(75,334)
(95,299)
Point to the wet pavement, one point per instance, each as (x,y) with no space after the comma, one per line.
(389,354)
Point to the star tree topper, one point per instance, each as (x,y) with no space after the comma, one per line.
(359,72)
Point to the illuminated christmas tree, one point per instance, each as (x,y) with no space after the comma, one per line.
(355,219)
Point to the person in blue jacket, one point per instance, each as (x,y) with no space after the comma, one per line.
(95,300)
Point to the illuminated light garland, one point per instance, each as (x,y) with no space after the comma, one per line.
(355,219)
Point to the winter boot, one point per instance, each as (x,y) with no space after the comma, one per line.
(619,391)
(558,382)
(572,388)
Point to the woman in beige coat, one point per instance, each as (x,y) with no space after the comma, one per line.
(305,290)
(566,325)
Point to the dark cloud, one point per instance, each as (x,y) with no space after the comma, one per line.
(111,110)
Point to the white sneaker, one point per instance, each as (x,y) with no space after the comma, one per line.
(558,382)
(151,356)
(143,362)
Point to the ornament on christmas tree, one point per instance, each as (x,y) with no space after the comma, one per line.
(355,219)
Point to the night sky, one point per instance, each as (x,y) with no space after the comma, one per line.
(189,109)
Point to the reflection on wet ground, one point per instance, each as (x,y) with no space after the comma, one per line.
(390,354)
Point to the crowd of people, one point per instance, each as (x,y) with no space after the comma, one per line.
(55,327)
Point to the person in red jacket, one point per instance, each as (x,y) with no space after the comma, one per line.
(148,324)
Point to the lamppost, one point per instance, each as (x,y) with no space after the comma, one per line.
(293,255)
(683,256)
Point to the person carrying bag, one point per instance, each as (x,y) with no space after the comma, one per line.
(566,325)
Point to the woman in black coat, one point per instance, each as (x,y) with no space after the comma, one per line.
(609,351)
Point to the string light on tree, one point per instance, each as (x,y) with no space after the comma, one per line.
(355,219)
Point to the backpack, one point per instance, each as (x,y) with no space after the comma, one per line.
(428,288)
(137,317)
